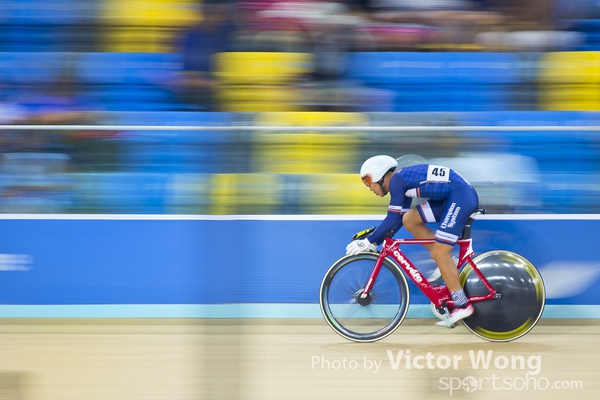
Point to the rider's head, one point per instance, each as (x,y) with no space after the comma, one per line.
(375,169)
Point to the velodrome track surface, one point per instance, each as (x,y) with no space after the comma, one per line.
(87,359)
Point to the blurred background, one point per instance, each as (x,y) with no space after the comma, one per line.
(270,107)
(380,76)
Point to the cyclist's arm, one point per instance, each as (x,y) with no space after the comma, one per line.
(392,222)
(399,205)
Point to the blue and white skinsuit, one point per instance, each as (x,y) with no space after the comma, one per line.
(450,201)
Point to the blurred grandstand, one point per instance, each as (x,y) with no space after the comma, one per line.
(361,67)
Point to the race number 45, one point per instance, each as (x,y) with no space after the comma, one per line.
(437,173)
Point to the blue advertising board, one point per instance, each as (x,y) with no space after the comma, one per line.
(210,266)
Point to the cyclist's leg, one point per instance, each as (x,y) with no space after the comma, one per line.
(461,202)
(441,254)
(414,222)
(452,215)
(415,219)
(459,206)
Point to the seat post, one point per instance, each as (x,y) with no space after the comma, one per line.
(466,233)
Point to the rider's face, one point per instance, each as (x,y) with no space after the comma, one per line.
(375,188)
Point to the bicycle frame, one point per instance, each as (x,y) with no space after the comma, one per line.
(438,295)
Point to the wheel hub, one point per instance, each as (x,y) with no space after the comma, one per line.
(363,301)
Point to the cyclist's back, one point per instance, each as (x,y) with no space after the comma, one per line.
(427,180)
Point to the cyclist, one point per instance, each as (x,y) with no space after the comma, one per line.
(451,201)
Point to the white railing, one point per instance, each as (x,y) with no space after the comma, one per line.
(342,128)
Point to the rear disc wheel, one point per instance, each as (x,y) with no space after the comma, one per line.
(521,300)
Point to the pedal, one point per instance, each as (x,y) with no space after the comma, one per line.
(444,316)
(449,325)
(446,320)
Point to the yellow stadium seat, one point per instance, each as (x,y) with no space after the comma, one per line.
(245,193)
(307,152)
(569,81)
(340,194)
(259,98)
(260,81)
(266,68)
(145,25)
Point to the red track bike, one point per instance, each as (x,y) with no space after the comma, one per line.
(365,297)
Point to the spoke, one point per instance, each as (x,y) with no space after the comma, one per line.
(376,316)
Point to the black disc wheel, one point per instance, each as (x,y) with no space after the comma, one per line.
(520,301)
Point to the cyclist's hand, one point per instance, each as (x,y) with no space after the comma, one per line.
(357,246)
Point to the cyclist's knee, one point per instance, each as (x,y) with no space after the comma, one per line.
(411,220)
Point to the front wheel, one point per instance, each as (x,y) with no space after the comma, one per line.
(521,300)
(373,317)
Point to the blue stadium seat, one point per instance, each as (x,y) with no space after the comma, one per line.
(31,68)
(174,151)
(35,182)
(44,79)
(571,193)
(123,192)
(555,151)
(46,25)
(591,31)
(130,81)
(440,81)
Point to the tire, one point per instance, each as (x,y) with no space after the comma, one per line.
(522,296)
(380,314)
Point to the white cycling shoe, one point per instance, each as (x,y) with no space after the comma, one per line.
(457,314)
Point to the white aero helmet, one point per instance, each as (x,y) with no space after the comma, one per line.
(375,168)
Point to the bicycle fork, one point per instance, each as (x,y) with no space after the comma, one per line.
(366,291)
